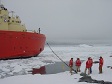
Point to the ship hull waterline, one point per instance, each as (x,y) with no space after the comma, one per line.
(20,44)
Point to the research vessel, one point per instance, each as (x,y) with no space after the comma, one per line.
(15,40)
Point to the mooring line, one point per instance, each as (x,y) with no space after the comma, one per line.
(60,58)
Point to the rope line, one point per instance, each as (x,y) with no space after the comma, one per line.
(60,58)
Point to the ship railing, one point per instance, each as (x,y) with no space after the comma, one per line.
(32,31)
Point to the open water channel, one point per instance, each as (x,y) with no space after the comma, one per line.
(53,68)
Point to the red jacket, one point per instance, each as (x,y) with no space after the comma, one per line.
(71,63)
(88,63)
(91,61)
(101,62)
(78,63)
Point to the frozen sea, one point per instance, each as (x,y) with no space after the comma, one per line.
(16,71)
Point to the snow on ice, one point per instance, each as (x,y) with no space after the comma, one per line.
(16,71)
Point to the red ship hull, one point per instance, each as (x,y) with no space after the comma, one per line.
(20,44)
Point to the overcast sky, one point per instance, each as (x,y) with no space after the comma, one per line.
(66,20)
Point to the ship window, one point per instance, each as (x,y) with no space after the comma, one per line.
(8,21)
(17,21)
(9,17)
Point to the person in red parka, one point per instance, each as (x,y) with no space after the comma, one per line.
(88,65)
(78,64)
(91,60)
(101,61)
(71,65)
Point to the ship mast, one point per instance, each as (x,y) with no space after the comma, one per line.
(1,5)
(0,2)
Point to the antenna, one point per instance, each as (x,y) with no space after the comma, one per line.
(12,12)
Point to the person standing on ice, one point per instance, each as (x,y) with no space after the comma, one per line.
(91,60)
(88,65)
(71,65)
(101,61)
(78,64)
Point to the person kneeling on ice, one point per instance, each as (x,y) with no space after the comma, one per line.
(78,64)
(88,65)
(71,65)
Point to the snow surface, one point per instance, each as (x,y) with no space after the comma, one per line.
(16,71)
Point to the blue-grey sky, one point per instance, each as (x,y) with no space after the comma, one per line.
(66,20)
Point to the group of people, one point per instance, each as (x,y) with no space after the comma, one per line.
(89,64)
(77,63)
